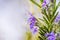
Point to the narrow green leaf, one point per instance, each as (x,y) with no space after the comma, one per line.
(35,3)
(41,28)
(45,28)
(45,13)
(40,38)
(39,23)
(55,9)
(41,19)
(52,20)
(41,31)
(50,28)
(46,21)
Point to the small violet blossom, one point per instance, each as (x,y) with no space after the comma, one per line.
(57,18)
(45,2)
(35,29)
(32,22)
(50,36)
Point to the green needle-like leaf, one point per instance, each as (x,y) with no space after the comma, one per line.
(46,21)
(35,3)
(45,13)
(52,20)
(55,9)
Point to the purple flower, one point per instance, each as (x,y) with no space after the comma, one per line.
(45,2)
(50,36)
(32,22)
(57,18)
(35,29)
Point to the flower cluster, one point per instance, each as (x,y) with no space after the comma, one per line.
(50,36)
(32,22)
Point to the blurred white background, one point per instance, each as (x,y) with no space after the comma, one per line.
(12,19)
